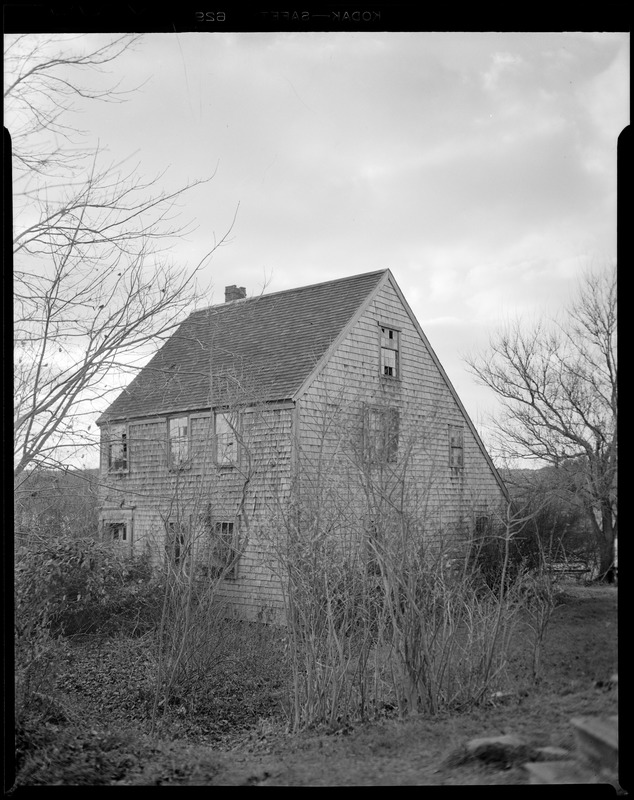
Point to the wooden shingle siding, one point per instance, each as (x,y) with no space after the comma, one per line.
(446,496)
(150,493)
(322,416)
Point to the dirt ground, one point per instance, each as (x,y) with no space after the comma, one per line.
(580,656)
(243,742)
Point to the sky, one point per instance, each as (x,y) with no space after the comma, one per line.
(480,168)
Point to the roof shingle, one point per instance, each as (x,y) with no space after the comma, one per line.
(262,349)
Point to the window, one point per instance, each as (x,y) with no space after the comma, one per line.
(116,532)
(381,429)
(224,551)
(217,555)
(226,439)
(482,526)
(116,528)
(389,366)
(176,542)
(456,447)
(178,442)
(373,566)
(118,448)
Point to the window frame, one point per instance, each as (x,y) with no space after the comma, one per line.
(385,451)
(372,541)
(220,559)
(183,463)
(111,526)
(389,343)
(228,568)
(122,440)
(483,526)
(108,525)
(177,551)
(456,446)
(233,431)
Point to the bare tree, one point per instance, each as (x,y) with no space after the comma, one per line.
(94,287)
(558,387)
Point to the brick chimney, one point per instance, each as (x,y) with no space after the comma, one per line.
(234,293)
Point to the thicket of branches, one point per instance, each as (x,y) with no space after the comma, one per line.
(95,289)
(387,607)
(557,383)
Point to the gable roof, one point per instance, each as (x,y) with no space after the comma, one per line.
(263,349)
(451,388)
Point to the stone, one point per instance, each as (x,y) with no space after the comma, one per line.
(502,750)
(550,753)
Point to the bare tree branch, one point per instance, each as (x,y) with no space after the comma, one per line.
(558,389)
(95,290)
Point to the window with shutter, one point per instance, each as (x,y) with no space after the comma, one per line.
(381,434)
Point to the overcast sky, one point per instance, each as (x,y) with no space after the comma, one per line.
(480,168)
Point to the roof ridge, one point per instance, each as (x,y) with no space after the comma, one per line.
(233,303)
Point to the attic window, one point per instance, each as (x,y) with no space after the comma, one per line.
(178,442)
(118,448)
(389,366)
(456,446)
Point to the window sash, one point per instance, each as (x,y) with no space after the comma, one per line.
(178,439)
(456,446)
(117,531)
(225,550)
(388,362)
(389,350)
(389,338)
(118,448)
(226,440)
(177,542)
(381,434)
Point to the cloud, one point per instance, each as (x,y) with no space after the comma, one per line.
(479,167)
(501,64)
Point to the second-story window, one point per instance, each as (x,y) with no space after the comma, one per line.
(178,442)
(456,446)
(381,433)
(226,440)
(118,448)
(389,353)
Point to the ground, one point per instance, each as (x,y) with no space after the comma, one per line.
(243,739)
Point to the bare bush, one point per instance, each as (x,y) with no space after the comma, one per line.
(385,608)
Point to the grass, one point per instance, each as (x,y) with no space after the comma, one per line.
(93,728)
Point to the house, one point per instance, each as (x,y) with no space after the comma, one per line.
(262,412)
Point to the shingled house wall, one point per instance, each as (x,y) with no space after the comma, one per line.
(150,493)
(445,499)
(302,365)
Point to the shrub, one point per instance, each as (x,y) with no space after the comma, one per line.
(78,586)
(499,556)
